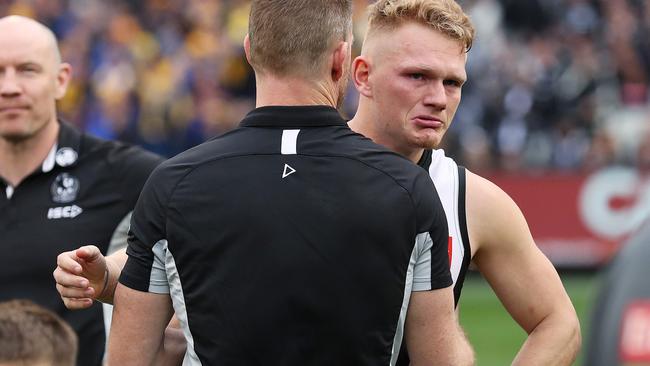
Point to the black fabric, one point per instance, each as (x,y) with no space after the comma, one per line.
(34,228)
(462,220)
(307,269)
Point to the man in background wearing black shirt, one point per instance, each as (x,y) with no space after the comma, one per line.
(59,188)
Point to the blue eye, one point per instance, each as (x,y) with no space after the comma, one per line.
(416,76)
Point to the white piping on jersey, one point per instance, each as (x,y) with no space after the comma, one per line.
(48,163)
(444,173)
(289,141)
(423,269)
(162,255)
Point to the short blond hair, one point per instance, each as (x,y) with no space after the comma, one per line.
(445,16)
(290,37)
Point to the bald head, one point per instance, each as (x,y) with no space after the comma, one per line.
(32,79)
(23,29)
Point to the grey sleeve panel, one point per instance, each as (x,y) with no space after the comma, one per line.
(158,282)
(120,235)
(422,267)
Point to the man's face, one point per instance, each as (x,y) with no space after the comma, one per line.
(415,77)
(30,82)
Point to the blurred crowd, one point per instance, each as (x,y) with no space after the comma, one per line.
(553,84)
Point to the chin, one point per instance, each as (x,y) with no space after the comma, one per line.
(427,143)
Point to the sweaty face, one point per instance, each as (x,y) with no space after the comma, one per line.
(28,83)
(416,76)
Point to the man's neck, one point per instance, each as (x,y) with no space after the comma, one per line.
(275,91)
(365,124)
(19,159)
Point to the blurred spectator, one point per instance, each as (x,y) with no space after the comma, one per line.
(33,335)
(549,79)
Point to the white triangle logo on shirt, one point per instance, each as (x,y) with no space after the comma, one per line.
(287,171)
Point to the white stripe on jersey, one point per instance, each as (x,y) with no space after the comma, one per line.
(444,173)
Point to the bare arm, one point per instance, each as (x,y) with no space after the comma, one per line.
(433,336)
(139,321)
(85,275)
(521,276)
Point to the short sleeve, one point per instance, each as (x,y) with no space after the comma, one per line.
(431,269)
(147,242)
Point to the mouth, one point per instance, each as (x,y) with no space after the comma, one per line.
(426,121)
(13,109)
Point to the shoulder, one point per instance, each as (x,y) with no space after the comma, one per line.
(493,217)
(118,154)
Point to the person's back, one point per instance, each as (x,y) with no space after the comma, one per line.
(306,239)
(33,335)
(291,240)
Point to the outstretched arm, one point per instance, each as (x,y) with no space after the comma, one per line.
(85,275)
(522,277)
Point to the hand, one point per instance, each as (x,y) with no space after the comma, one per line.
(81,276)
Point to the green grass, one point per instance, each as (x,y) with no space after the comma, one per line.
(496,338)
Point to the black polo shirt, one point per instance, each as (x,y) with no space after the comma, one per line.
(290,240)
(84,189)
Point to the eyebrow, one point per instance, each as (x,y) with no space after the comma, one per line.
(428,70)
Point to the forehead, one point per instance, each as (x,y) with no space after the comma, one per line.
(20,47)
(417,45)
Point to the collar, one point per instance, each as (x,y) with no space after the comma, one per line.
(426,159)
(65,151)
(293,116)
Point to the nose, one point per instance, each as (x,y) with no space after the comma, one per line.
(9,85)
(436,95)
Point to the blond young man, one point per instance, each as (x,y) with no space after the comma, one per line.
(263,245)
(410,76)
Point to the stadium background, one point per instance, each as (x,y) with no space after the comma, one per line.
(555,111)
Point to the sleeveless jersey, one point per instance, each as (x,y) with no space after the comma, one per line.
(449,179)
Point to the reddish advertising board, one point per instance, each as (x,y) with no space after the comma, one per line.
(579,220)
(634,344)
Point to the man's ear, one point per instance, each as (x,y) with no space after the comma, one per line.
(339,59)
(62,80)
(247,48)
(361,67)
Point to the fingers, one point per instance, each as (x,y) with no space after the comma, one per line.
(67,279)
(75,304)
(89,253)
(69,262)
(74,290)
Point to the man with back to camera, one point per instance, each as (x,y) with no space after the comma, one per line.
(59,188)
(290,240)
(473,205)
(409,76)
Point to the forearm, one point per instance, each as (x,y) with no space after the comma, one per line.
(114,264)
(464,350)
(555,341)
(174,346)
